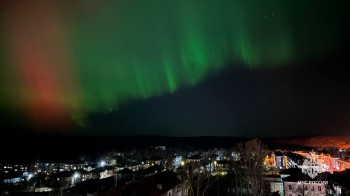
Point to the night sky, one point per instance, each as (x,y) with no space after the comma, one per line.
(175,67)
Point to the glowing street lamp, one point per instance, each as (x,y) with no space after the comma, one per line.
(30,176)
(75,178)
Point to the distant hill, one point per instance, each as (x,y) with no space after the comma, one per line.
(71,148)
(46,147)
(317,141)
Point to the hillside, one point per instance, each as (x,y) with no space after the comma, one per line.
(317,141)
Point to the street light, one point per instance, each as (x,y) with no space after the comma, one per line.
(30,176)
(75,178)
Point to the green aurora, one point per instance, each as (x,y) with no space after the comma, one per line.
(101,54)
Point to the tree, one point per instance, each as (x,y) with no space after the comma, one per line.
(169,163)
(198,177)
(251,168)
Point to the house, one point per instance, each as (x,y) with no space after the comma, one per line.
(74,165)
(103,172)
(194,158)
(222,167)
(162,184)
(288,172)
(14,167)
(278,155)
(12,177)
(125,175)
(275,183)
(68,179)
(150,171)
(340,183)
(54,167)
(82,174)
(302,185)
(155,160)
(94,187)
(89,167)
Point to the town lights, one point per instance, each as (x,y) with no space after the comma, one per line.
(76,175)
(103,163)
